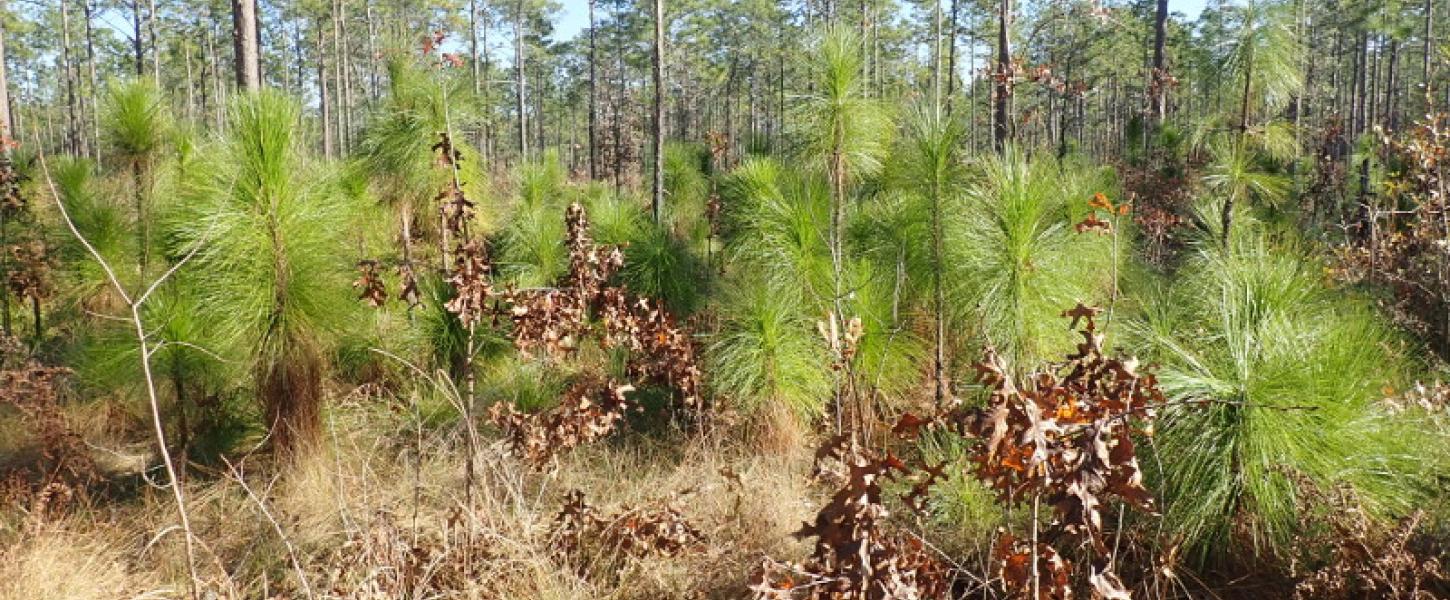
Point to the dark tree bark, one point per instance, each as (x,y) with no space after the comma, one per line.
(323,101)
(1002,102)
(244,43)
(473,42)
(593,98)
(1429,45)
(95,89)
(952,32)
(155,42)
(659,116)
(520,93)
(1159,102)
(72,118)
(138,47)
(7,129)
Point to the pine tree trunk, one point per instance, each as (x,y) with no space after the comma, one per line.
(72,119)
(245,45)
(473,43)
(659,116)
(1429,45)
(1159,76)
(138,48)
(339,111)
(7,129)
(323,101)
(373,83)
(1361,71)
(95,89)
(155,42)
(1002,128)
(1391,81)
(952,33)
(519,91)
(593,98)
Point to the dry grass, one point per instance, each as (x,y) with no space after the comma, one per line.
(76,562)
(371,517)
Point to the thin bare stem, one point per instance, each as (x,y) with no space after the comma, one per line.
(177,490)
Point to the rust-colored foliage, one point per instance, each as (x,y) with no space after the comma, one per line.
(31,391)
(1404,232)
(857,555)
(590,410)
(1062,436)
(1015,563)
(553,322)
(409,290)
(29,268)
(656,529)
(370,283)
(471,284)
(12,202)
(1367,561)
(661,352)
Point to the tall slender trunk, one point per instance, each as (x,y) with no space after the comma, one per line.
(95,88)
(936,57)
(593,98)
(7,124)
(1361,71)
(373,83)
(155,42)
(473,43)
(1429,44)
(339,111)
(1372,112)
(1158,78)
(659,117)
(191,82)
(72,118)
(487,102)
(1391,86)
(7,130)
(519,91)
(323,101)
(952,33)
(138,46)
(244,42)
(345,60)
(1002,127)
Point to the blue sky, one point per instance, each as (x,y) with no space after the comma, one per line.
(575,16)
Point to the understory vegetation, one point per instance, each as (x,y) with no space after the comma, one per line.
(841,345)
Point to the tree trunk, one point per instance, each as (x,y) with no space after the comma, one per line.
(952,32)
(1429,45)
(1391,85)
(7,130)
(593,98)
(155,42)
(323,101)
(1159,76)
(95,88)
(1002,127)
(519,91)
(659,116)
(245,44)
(1361,71)
(339,111)
(138,47)
(473,43)
(7,125)
(72,119)
(373,84)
